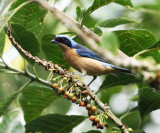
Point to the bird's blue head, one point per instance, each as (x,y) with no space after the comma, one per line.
(64,40)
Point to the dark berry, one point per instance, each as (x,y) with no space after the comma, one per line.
(88,106)
(74,99)
(97,120)
(93,108)
(89,112)
(70,95)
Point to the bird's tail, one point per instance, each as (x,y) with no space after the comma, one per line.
(122,69)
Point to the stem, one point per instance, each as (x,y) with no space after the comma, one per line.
(35,72)
(144,51)
(50,76)
(7,66)
(141,123)
(25,67)
(29,75)
(27,83)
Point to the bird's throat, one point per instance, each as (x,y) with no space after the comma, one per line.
(63,47)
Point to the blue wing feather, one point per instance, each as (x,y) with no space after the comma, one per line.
(85,52)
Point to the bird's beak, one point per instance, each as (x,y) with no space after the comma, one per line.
(53,41)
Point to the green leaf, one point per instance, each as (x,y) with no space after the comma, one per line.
(153,54)
(125,3)
(151,51)
(78,12)
(154,46)
(149,6)
(118,79)
(34,99)
(31,17)
(11,123)
(4,19)
(26,40)
(134,98)
(133,110)
(149,100)
(16,4)
(132,118)
(54,123)
(138,131)
(4,104)
(106,93)
(97,30)
(99,3)
(52,51)
(63,109)
(2,41)
(115,22)
(67,33)
(93,131)
(110,42)
(134,41)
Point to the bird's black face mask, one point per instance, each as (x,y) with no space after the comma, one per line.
(62,40)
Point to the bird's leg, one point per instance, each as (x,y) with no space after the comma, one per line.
(83,73)
(73,73)
(94,77)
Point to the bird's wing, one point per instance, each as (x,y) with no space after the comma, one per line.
(85,52)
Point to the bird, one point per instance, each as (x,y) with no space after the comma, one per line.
(83,59)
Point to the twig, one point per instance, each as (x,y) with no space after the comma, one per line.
(29,75)
(144,51)
(56,69)
(34,69)
(26,84)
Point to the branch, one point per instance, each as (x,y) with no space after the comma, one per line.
(146,69)
(29,75)
(58,70)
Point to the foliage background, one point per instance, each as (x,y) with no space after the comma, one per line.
(121,99)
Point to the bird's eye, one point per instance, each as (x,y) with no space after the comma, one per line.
(62,39)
